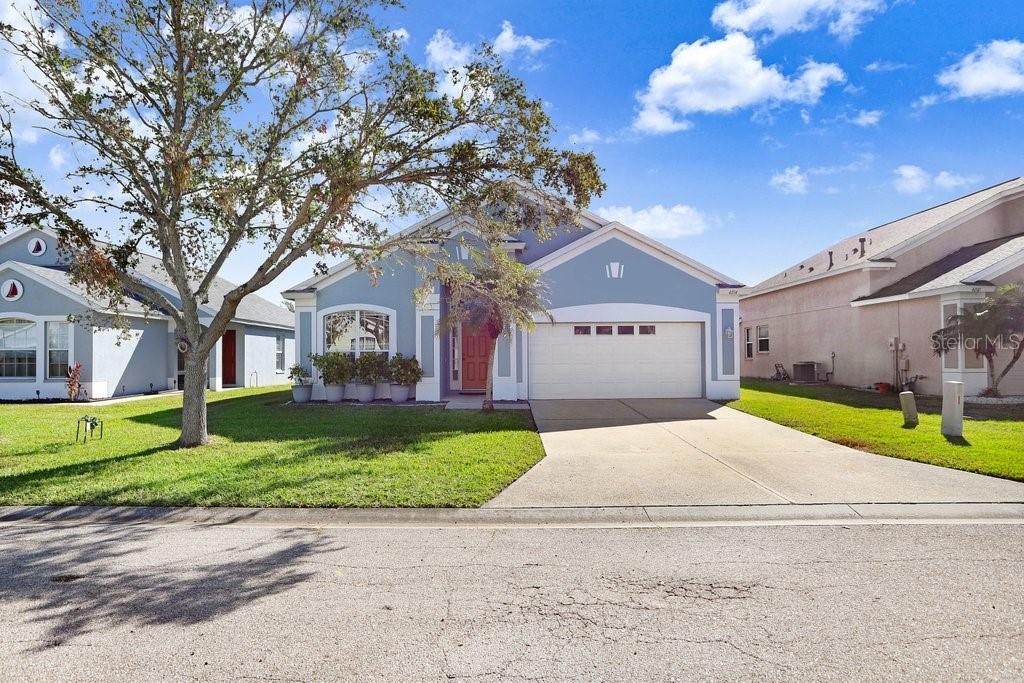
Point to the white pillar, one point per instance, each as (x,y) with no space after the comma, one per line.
(428,348)
(953,409)
(216,361)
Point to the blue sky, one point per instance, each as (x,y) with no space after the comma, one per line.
(751,133)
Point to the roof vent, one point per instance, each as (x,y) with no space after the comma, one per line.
(831,261)
(863,250)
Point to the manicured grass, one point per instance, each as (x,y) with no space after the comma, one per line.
(993,435)
(264,453)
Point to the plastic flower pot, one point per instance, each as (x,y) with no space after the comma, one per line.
(399,393)
(335,392)
(301,393)
(351,389)
(365,392)
(382,390)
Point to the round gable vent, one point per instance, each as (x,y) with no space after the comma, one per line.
(37,246)
(11,290)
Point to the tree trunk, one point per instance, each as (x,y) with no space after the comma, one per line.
(489,391)
(1009,366)
(193,409)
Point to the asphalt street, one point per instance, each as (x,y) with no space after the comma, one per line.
(184,602)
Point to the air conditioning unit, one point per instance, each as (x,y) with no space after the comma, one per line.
(808,371)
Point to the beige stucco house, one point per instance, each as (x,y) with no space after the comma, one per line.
(864,309)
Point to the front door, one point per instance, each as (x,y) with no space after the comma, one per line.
(476,354)
(228,355)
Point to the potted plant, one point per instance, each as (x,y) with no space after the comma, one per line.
(368,372)
(405,372)
(335,371)
(302,387)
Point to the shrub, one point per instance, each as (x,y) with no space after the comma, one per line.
(334,367)
(298,374)
(405,371)
(74,381)
(372,368)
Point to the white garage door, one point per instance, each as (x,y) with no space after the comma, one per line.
(615,360)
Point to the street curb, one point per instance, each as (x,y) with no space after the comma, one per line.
(580,517)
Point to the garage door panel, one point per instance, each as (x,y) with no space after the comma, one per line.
(664,365)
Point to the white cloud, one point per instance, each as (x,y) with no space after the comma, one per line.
(778,17)
(401,35)
(925,101)
(910,179)
(508,42)
(17,77)
(790,181)
(805,116)
(448,57)
(866,117)
(882,66)
(719,76)
(57,158)
(678,220)
(996,68)
(587,136)
(951,181)
(445,55)
(862,163)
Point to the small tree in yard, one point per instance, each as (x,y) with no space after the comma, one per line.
(294,125)
(996,324)
(495,295)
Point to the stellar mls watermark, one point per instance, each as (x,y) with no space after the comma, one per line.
(943,343)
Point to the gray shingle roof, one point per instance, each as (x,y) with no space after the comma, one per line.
(880,239)
(252,308)
(959,268)
(60,277)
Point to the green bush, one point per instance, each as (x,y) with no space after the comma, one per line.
(405,371)
(334,367)
(298,374)
(372,368)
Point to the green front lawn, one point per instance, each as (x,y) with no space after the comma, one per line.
(993,435)
(264,453)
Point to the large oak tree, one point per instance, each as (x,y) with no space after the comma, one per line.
(296,125)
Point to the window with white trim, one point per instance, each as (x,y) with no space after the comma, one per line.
(748,342)
(763,344)
(57,349)
(357,332)
(17,348)
(280,353)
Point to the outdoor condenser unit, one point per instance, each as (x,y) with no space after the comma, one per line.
(807,371)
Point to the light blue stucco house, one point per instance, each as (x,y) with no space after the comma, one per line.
(48,323)
(633,319)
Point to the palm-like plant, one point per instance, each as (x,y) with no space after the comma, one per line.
(996,324)
(496,294)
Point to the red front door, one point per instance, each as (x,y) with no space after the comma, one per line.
(228,356)
(476,354)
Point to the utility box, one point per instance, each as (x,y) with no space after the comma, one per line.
(807,372)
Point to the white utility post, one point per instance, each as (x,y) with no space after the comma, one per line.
(953,409)
(909,405)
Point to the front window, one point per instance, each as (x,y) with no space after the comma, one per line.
(763,346)
(357,332)
(17,348)
(57,347)
(280,353)
(748,340)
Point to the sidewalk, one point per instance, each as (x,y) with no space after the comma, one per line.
(562,517)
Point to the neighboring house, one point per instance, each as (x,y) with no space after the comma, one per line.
(865,308)
(39,341)
(633,319)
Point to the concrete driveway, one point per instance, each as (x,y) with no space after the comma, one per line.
(695,452)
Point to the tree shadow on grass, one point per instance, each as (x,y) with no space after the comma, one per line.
(83,579)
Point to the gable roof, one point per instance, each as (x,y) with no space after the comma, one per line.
(877,246)
(58,279)
(640,241)
(965,267)
(253,308)
(444,219)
